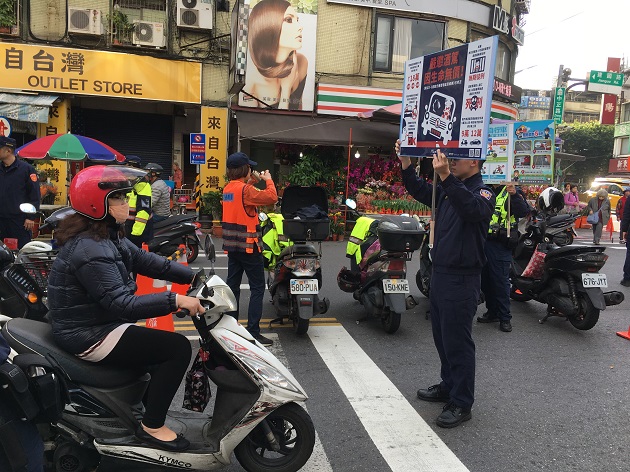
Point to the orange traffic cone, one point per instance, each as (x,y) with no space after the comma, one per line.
(624,334)
(181,289)
(165,323)
(610,228)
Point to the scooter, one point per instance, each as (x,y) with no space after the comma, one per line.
(559,229)
(294,277)
(567,281)
(255,415)
(378,281)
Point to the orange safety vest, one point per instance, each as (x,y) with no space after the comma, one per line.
(241,231)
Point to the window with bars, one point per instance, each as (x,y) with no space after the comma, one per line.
(399,39)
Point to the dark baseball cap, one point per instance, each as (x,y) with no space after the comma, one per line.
(8,142)
(239,159)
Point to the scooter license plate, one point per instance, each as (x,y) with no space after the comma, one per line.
(594,281)
(395,286)
(304,287)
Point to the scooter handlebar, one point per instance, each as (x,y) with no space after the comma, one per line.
(182,313)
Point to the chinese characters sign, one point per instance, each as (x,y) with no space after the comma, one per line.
(214,124)
(108,74)
(447,98)
(558,104)
(520,152)
(197,148)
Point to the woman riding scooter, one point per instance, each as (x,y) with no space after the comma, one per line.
(91,297)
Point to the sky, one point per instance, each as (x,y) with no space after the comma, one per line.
(579,34)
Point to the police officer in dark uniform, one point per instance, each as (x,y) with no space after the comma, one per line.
(462,216)
(495,277)
(18,184)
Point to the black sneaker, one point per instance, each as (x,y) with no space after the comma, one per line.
(263,340)
(453,415)
(487,318)
(625,282)
(505,326)
(433,394)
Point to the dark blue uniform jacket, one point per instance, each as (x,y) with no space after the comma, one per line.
(462,219)
(18,184)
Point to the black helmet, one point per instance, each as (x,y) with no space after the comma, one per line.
(348,281)
(551,200)
(154,168)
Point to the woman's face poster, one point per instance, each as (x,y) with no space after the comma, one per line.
(281,42)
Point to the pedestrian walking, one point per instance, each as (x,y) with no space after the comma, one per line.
(242,235)
(572,200)
(495,277)
(599,205)
(18,184)
(619,211)
(462,216)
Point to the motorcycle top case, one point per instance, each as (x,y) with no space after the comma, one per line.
(399,233)
(310,204)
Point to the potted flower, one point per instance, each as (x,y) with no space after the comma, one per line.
(122,28)
(212,204)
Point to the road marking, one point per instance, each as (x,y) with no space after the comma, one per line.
(318,462)
(403,438)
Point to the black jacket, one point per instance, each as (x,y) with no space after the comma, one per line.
(18,184)
(90,292)
(625,219)
(462,218)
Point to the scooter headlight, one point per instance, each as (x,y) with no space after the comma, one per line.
(269,373)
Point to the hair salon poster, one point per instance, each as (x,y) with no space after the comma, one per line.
(520,152)
(447,97)
(281,41)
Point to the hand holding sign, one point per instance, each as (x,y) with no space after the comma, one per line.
(440,165)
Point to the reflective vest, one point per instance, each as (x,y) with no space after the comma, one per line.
(499,217)
(139,207)
(359,234)
(274,239)
(241,232)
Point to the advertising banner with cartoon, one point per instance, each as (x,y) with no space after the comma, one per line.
(447,97)
(520,151)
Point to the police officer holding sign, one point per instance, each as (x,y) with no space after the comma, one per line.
(462,216)
(495,278)
(18,184)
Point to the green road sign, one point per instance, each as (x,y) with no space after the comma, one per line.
(605,82)
(558,104)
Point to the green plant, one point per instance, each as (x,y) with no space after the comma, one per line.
(7,13)
(212,204)
(121,25)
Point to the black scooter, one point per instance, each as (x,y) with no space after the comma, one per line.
(568,281)
(168,234)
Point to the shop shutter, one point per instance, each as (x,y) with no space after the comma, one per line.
(142,134)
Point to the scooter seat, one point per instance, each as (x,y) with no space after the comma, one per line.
(173,220)
(35,336)
(571,249)
(299,249)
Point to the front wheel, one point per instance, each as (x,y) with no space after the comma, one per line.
(391,322)
(192,250)
(293,429)
(587,315)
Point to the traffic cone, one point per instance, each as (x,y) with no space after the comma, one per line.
(624,334)
(144,283)
(165,323)
(181,289)
(610,228)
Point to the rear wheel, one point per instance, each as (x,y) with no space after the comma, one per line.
(516,294)
(293,429)
(300,325)
(391,322)
(587,315)
(192,251)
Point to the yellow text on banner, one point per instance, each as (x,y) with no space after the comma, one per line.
(107,74)
(214,124)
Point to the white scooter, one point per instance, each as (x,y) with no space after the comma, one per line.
(255,412)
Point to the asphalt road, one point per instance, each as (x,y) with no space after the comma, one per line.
(548,397)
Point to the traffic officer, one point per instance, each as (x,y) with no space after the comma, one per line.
(18,184)
(495,277)
(462,217)
(139,225)
(161,193)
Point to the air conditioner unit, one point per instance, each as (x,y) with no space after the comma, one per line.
(84,21)
(148,33)
(195,14)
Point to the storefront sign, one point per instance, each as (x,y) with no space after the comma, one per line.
(214,124)
(197,148)
(608,112)
(517,32)
(347,100)
(89,72)
(540,103)
(618,165)
(500,20)
(5,126)
(56,169)
(274,80)
(507,91)
(461,9)
(622,129)
(447,100)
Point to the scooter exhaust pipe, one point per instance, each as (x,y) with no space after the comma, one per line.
(613,298)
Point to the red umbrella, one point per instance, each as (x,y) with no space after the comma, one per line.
(70,147)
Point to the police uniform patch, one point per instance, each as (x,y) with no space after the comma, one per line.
(33,177)
(487,194)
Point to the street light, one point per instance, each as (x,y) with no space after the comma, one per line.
(357,154)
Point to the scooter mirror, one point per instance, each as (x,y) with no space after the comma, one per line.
(209,249)
(28,208)
(262,216)
(350,203)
